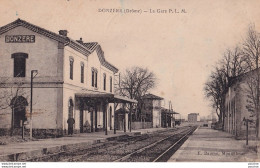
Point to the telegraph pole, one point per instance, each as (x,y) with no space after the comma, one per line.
(32,71)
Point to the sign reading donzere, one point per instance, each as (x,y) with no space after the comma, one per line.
(20,38)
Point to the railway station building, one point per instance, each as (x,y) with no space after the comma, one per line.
(71,79)
(151,109)
(239,106)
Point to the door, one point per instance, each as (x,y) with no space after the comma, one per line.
(110,118)
(70,113)
(81,121)
(19,116)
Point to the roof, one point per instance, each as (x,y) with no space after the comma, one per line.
(84,48)
(101,95)
(121,99)
(152,96)
(233,80)
(194,114)
(164,110)
(91,46)
(94,95)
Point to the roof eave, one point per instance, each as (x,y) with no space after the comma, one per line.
(33,28)
(63,39)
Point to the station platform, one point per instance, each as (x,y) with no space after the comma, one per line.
(208,145)
(21,151)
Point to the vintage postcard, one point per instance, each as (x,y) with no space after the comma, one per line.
(130,81)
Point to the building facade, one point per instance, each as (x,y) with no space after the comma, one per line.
(239,106)
(193,117)
(151,109)
(73,80)
(167,118)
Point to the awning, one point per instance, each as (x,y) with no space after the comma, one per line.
(109,96)
(94,95)
(121,99)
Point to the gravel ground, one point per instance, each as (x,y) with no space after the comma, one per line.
(4,140)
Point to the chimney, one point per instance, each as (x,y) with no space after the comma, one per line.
(63,32)
(80,40)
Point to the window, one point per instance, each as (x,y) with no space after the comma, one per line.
(70,108)
(104,76)
(94,77)
(82,72)
(71,68)
(111,82)
(19,64)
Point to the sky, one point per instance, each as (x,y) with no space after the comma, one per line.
(180,48)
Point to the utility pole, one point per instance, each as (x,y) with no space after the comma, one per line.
(169,114)
(131,109)
(115,125)
(105,111)
(32,71)
(246,121)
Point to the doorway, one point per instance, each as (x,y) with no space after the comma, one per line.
(110,118)
(70,114)
(19,111)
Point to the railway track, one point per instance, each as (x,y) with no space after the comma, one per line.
(160,150)
(176,145)
(147,147)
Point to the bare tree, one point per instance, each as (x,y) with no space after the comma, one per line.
(214,90)
(10,93)
(135,83)
(232,64)
(251,51)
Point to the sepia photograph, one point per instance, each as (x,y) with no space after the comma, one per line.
(88,82)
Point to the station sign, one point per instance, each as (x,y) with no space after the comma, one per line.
(20,38)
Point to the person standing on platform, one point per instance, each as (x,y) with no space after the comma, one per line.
(70,122)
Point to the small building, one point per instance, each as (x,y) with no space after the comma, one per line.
(74,80)
(168,117)
(239,106)
(193,117)
(151,109)
(178,119)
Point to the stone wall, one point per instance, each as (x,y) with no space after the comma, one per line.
(37,133)
(141,125)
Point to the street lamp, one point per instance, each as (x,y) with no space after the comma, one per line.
(32,72)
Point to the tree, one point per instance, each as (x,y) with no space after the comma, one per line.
(251,51)
(214,90)
(10,94)
(232,64)
(135,83)
(241,59)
